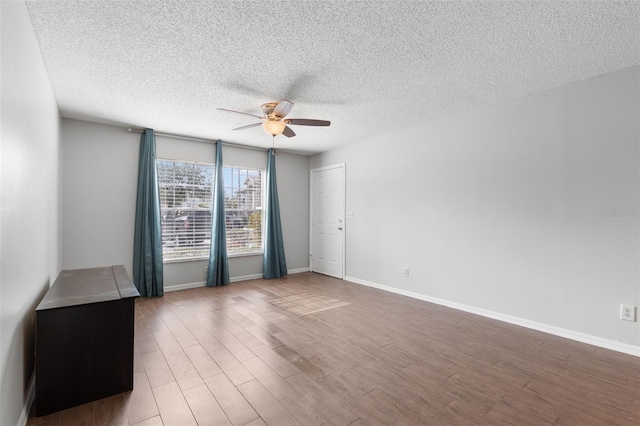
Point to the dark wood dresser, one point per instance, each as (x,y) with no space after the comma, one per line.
(84,338)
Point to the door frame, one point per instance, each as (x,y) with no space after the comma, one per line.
(342,167)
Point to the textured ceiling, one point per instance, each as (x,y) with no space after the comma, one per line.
(370,67)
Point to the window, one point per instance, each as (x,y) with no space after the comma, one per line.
(243,207)
(186,191)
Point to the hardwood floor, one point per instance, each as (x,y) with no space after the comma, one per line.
(309,349)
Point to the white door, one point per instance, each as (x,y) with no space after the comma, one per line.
(327,221)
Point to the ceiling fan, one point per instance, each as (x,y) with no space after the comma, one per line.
(274,121)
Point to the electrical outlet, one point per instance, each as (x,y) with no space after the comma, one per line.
(628,313)
(405,272)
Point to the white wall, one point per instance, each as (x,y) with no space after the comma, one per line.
(100,178)
(506,208)
(30,195)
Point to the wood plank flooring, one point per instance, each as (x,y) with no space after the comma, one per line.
(308,349)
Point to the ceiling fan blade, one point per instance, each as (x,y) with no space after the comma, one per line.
(239,112)
(283,108)
(248,126)
(288,132)
(307,122)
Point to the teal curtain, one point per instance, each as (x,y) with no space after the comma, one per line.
(218,273)
(147,242)
(274,263)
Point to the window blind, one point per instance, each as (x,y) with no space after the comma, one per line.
(186,190)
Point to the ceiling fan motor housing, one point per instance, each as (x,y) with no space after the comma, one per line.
(268,108)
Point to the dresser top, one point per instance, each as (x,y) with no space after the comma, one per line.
(86,286)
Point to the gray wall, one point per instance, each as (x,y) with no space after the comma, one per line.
(30,194)
(511,208)
(100,175)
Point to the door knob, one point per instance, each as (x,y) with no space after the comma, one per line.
(339,228)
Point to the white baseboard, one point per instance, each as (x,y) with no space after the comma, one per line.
(30,396)
(245,278)
(186,286)
(545,328)
(256,276)
(297,271)
(178,287)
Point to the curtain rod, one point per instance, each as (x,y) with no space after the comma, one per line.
(191,138)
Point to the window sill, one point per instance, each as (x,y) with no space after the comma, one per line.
(253,253)
(189,259)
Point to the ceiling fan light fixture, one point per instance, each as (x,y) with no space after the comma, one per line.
(273,127)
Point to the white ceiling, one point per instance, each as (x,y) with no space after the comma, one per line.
(370,67)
